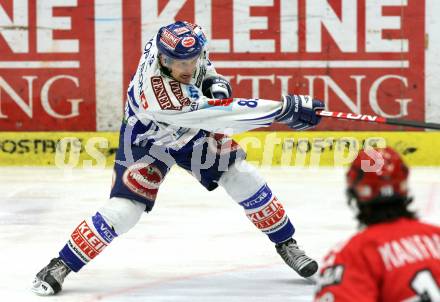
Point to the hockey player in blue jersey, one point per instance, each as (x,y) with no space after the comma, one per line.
(180,111)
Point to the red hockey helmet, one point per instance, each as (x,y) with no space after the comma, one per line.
(378,175)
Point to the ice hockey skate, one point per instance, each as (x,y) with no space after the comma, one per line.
(296,258)
(50,279)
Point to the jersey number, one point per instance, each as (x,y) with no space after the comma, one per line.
(425,286)
(248,103)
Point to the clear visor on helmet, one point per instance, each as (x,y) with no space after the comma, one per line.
(181,64)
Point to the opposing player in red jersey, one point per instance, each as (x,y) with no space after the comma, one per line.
(395,257)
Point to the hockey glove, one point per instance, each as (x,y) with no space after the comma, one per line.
(216,87)
(299,112)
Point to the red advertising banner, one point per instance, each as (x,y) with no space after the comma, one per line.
(47,66)
(358,56)
(364,56)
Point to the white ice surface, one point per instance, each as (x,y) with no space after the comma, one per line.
(194,246)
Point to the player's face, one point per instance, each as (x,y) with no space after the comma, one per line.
(183,70)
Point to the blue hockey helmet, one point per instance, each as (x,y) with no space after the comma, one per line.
(180,40)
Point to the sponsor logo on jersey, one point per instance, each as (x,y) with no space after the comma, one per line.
(141,76)
(188,42)
(222,102)
(151,60)
(201,75)
(193,92)
(143,179)
(176,88)
(87,241)
(147,49)
(161,94)
(169,39)
(194,106)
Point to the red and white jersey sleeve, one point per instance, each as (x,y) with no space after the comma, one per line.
(398,261)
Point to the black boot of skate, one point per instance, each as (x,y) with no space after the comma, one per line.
(296,258)
(50,279)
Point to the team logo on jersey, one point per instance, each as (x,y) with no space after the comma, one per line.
(188,42)
(169,39)
(143,179)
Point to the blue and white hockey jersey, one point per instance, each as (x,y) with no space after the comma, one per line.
(168,113)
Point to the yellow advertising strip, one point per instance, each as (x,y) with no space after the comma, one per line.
(333,148)
(64,149)
(97,149)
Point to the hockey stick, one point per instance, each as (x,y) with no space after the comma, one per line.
(377,119)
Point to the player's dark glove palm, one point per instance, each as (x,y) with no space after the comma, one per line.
(216,87)
(299,112)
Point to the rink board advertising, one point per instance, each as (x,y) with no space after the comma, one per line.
(65,65)
(47,70)
(263,148)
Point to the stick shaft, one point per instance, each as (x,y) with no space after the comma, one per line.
(377,119)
